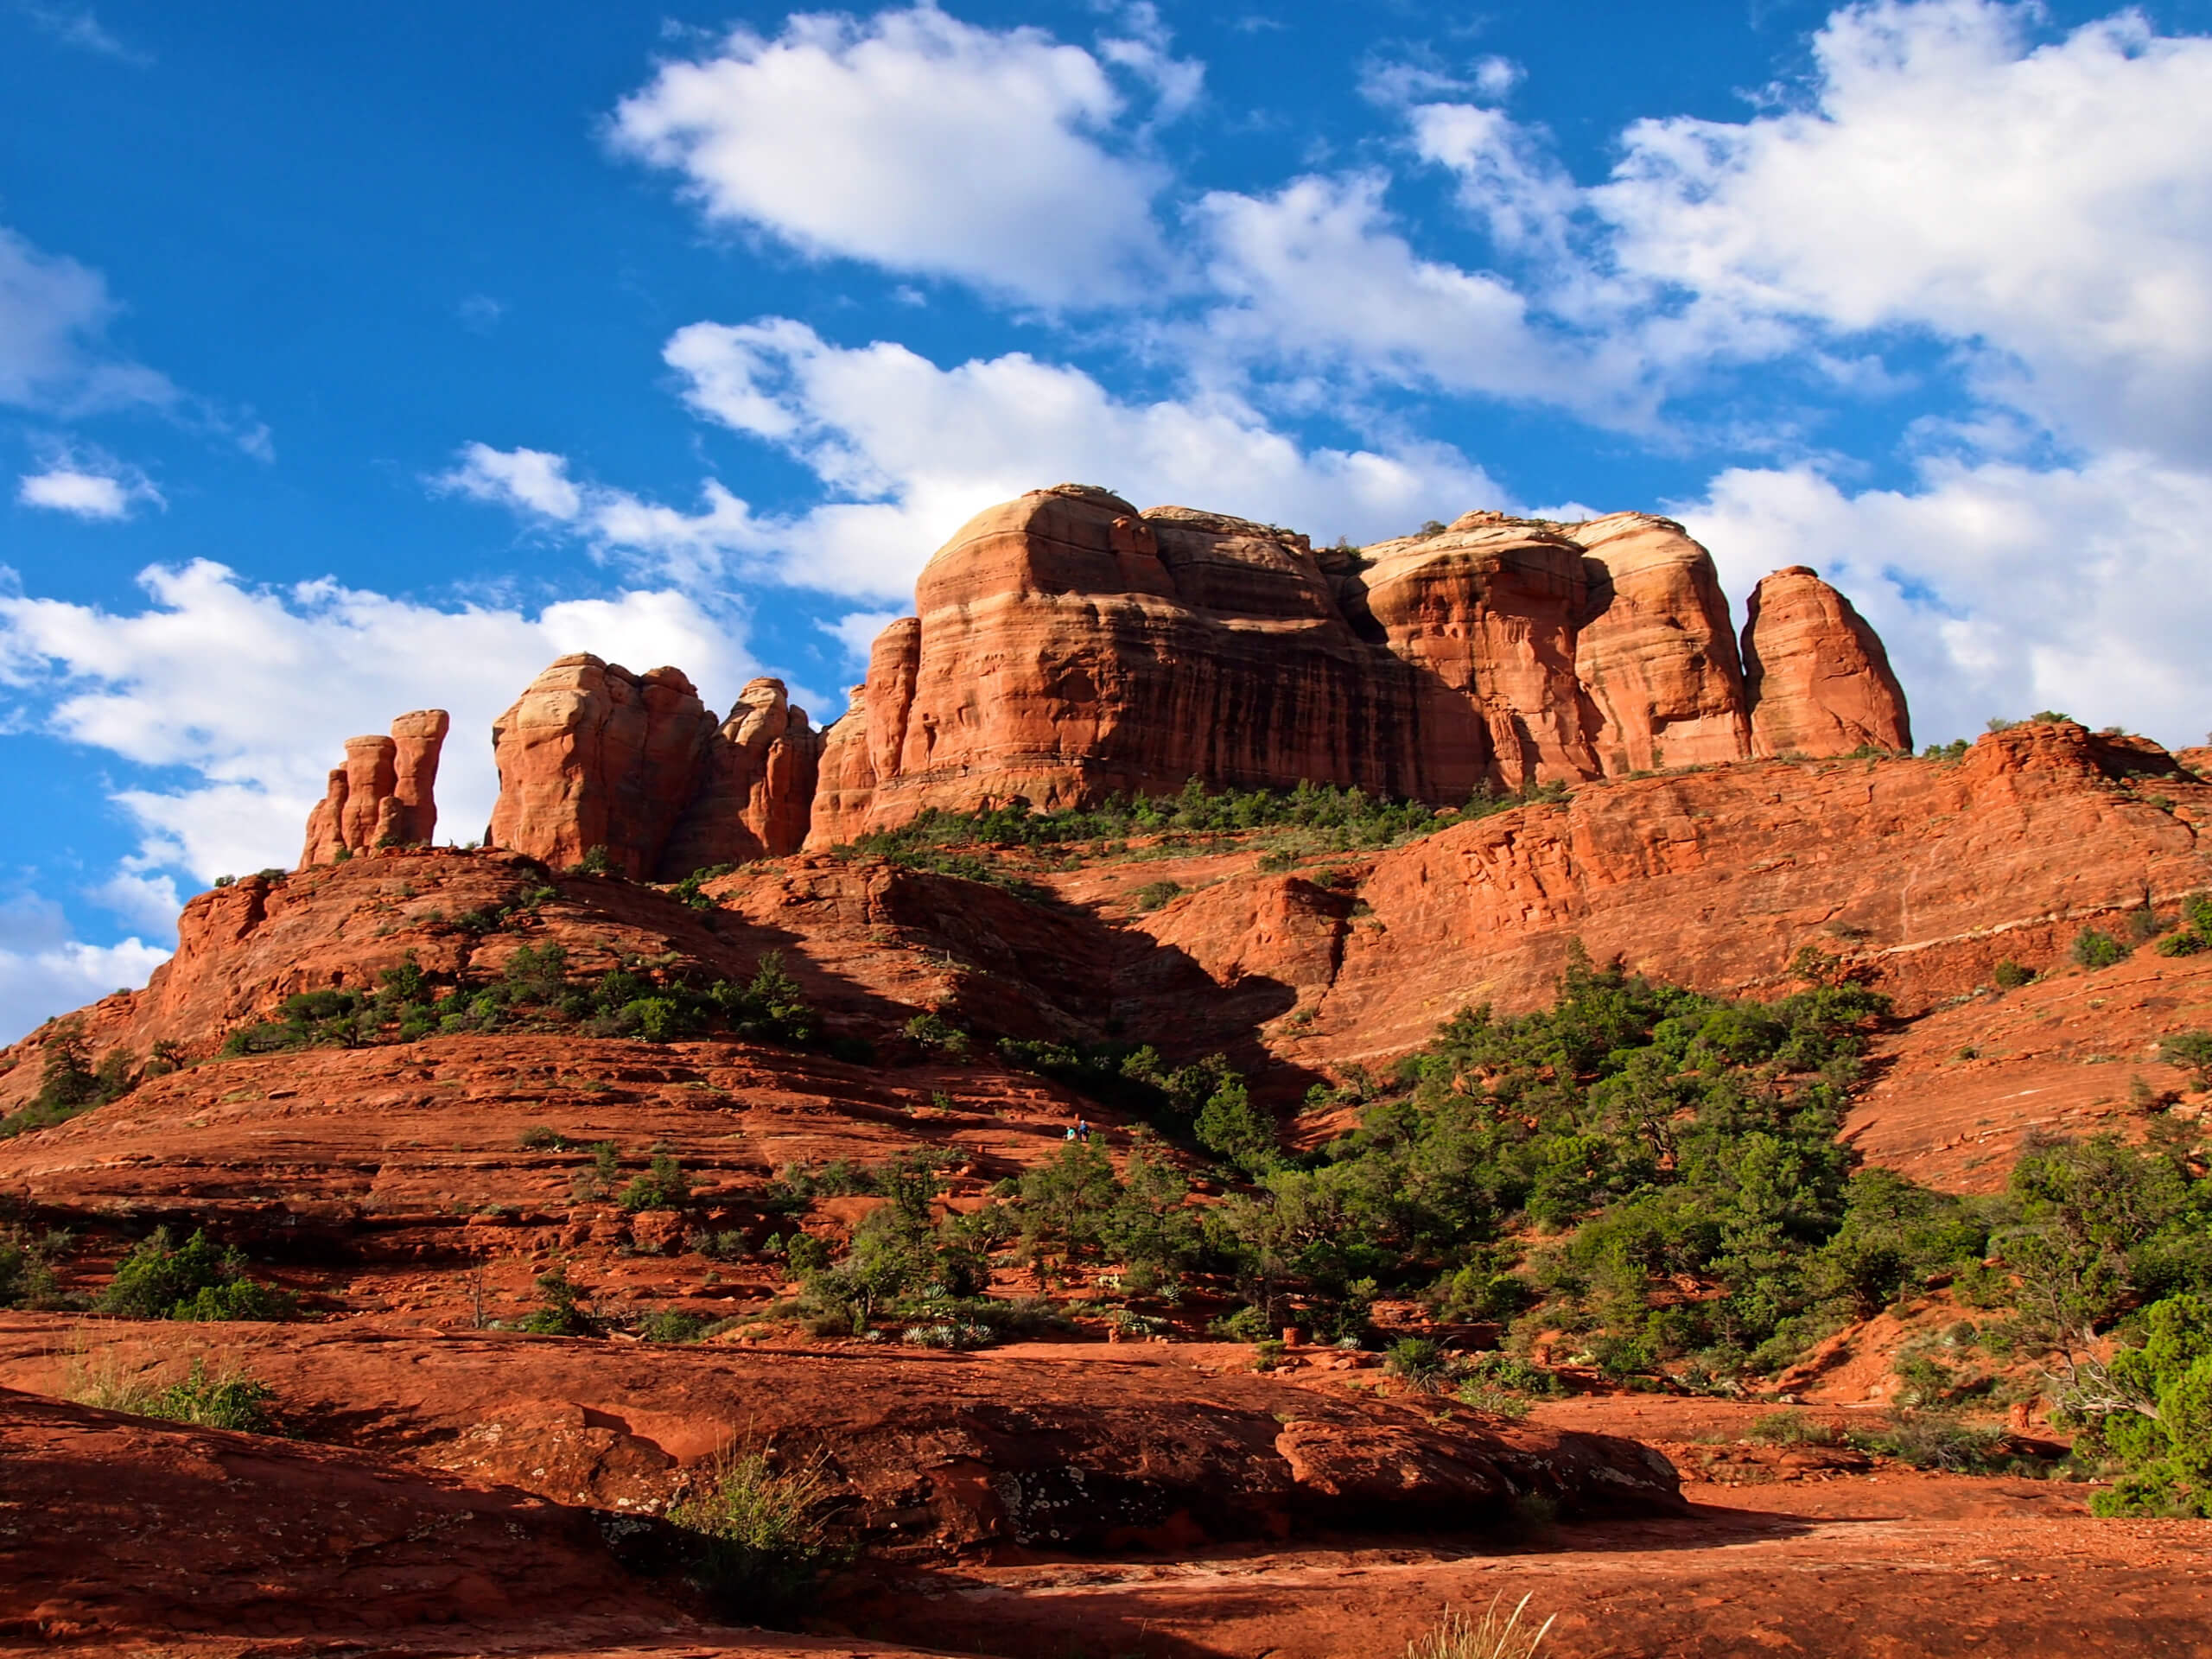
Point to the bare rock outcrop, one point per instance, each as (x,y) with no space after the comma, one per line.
(592,755)
(1818,680)
(385,795)
(1066,647)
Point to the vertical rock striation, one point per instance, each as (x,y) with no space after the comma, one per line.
(1067,646)
(1818,678)
(385,795)
(592,755)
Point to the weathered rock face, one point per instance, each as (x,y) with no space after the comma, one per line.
(1067,646)
(385,795)
(593,756)
(1819,679)
(1657,652)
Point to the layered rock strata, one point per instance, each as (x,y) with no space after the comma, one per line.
(1067,645)
(385,795)
(592,755)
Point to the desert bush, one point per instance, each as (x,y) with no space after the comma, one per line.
(1153,894)
(2009,976)
(226,1399)
(68,1082)
(1420,1364)
(934,1032)
(27,1278)
(2191,1050)
(673,1325)
(758,1541)
(1935,1439)
(662,1186)
(199,1279)
(1793,1428)
(2153,1407)
(231,1399)
(560,1312)
(2093,949)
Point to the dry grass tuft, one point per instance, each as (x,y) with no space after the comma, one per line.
(1494,1636)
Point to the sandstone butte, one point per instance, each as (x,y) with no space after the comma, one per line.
(1066,647)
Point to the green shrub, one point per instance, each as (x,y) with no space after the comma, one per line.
(2155,1410)
(68,1083)
(2009,976)
(934,1032)
(197,1280)
(1931,1439)
(2093,949)
(1420,1364)
(757,1542)
(662,1186)
(1153,894)
(596,860)
(539,1138)
(1793,1428)
(27,1278)
(560,1313)
(233,1402)
(2191,1050)
(673,1325)
(1229,1125)
(1244,1325)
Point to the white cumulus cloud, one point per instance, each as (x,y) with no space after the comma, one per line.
(44,971)
(907,451)
(98,489)
(924,144)
(2000,589)
(252,691)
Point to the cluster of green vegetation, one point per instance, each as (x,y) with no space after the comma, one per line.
(2183,933)
(228,1398)
(757,1536)
(1205,1101)
(199,1279)
(535,991)
(70,1084)
(1316,817)
(26,1259)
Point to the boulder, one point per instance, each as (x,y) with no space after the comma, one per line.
(385,795)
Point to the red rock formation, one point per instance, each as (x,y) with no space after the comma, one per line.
(1656,652)
(1924,872)
(385,795)
(593,756)
(1818,680)
(1068,647)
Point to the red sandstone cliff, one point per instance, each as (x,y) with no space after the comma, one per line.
(385,795)
(593,756)
(1067,645)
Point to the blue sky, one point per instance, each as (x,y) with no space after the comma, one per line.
(356,358)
